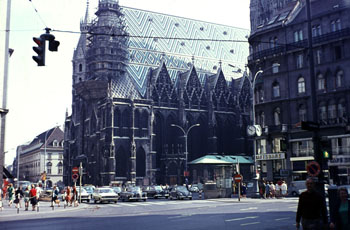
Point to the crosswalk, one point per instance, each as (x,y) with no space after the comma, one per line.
(147,203)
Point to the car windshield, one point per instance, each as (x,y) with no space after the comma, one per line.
(134,189)
(158,188)
(105,190)
(117,189)
(88,189)
(82,190)
(182,188)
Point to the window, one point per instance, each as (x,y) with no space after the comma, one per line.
(80,67)
(301,85)
(299,61)
(261,119)
(323,112)
(259,95)
(316,30)
(275,67)
(342,110)
(335,25)
(337,53)
(48,167)
(332,111)
(298,35)
(339,79)
(261,146)
(273,42)
(60,168)
(302,113)
(276,142)
(277,116)
(49,156)
(321,82)
(318,56)
(276,89)
(55,143)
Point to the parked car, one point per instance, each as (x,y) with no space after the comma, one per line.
(117,190)
(84,195)
(156,191)
(180,193)
(194,188)
(133,193)
(104,194)
(89,190)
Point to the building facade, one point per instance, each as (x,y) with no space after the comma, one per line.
(43,155)
(279,44)
(131,85)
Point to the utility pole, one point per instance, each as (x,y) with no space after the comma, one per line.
(80,179)
(3,108)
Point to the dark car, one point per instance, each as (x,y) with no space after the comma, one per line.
(133,193)
(180,193)
(156,191)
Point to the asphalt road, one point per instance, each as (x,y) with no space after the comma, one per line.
(217,214)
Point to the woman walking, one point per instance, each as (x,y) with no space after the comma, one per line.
(32,196)
(18,197)
(26,198)
(11,193)
(341,219)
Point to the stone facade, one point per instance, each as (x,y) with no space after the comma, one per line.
(283,93)
(129,89)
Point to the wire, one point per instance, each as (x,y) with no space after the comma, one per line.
(38,13)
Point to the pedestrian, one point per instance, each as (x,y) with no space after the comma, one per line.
(267,190)
(55,199)
(74,200)
(33,197)
(278,189)
(244,190)
(312,209)
(68,196)
(26,198)
(18,197)
(284,189)
(11,192)
(262,189)
(272,189)
(341,219)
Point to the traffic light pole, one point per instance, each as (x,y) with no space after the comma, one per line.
(3,108)
(316,139)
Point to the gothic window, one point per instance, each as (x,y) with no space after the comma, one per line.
(302,113)
(321,82)
(80,67)
(339,79)
(277,116)
(301,85)
(275,90)
(140,163)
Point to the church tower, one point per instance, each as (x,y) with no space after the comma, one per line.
(107,54)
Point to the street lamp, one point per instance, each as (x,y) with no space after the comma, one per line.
(44,176)
(185,136)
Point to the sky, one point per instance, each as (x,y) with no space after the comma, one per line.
(39,97)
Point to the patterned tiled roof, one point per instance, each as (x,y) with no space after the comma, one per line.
(148,47)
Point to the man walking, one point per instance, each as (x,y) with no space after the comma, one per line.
(311,209)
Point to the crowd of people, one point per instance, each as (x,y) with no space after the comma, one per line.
(267,189)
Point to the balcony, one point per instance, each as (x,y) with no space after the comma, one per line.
(324,38)
(341,150)
(303,152)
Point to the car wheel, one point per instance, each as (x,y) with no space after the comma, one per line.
(95,201)
(144,200)
(115,202)
(190,198)
(88,201)
(294,193)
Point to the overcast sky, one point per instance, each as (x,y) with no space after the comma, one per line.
(38,97)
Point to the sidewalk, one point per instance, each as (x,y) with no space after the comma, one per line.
(44,207)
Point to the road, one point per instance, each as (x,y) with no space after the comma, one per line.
(217,214)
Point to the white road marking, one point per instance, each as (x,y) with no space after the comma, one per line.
(247,209)
(285,218)
(250,223)
(243,218)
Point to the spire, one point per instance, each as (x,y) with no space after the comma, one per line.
(86,19)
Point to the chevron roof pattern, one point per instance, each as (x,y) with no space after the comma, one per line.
(150,47)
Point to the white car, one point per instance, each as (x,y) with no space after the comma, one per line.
(104,194)
(84,195)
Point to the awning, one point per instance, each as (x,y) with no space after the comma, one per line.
(218,159)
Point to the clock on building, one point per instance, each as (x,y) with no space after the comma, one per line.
(251,130)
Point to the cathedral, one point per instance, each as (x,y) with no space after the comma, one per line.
(146,101)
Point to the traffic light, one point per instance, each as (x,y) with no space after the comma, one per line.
(53,45)
(40,50)
(326,148)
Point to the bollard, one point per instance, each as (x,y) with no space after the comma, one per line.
(17,210)
(200,194)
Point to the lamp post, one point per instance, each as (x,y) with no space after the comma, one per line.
(44,176)
(185,136)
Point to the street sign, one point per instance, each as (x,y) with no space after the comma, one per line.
(75,176)
(310,126)
(313,168)
(238,178)
(75,170)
